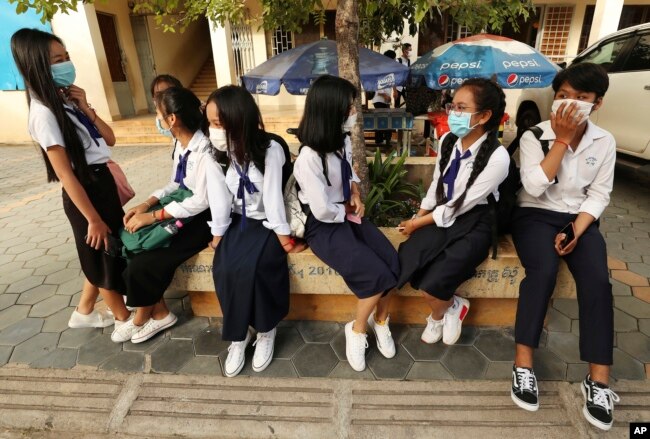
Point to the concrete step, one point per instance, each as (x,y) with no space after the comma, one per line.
(145,138)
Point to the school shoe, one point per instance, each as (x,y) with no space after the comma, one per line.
(95,319)
(235,361)
(599,403)
(453,320)
(385,342)
(153,327)
(124,331)
(263,350)
(524,391)
(433,332)
(355,347)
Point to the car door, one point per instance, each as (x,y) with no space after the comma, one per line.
(626,106)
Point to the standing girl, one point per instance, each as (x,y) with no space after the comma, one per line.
(336,230)
(452,230)
(75,146)
(150,272)
(250,268)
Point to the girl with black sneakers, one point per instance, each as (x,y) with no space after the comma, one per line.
(75,145)
(452,232)
(250,270)
(336,230)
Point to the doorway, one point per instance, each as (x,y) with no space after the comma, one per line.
(145,55)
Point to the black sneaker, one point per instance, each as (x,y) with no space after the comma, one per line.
(599,403)
(524,388)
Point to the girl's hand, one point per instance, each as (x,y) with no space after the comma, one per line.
(563,251)
(565,123)
(78,96)
(140,208)
(138,221)
(215,242)
(355,206)
(299,246)
(97,235)
(407,227)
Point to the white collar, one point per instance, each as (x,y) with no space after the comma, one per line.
(197,141)
(474,147)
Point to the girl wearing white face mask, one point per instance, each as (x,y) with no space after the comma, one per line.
(249,227)
(336,230)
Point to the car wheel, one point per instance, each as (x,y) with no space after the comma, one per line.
(527,118)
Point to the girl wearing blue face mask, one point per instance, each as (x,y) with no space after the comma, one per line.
(451,234)
(75,146)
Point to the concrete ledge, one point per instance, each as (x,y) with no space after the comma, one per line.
(319,293)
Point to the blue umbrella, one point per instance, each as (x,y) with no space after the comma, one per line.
(298,68)
(514,64)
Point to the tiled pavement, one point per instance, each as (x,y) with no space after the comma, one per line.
(40,284)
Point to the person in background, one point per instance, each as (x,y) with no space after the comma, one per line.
(382,99)
(404,60)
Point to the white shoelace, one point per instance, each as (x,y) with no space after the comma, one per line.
(602,397)
(526,379)
(357,341)
(236,345)
(262,336)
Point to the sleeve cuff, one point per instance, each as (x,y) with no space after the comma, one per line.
(280,229)
(427,204)
(439,217)
(593,208)
(218,230)
(157,194)
(537,180)
(176,210)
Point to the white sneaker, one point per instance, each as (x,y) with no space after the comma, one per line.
(385,342)
(433,332)
(95,319)
(263,350)
(355,348)
(124,331)
(153,327)
(453,320)
(235,361)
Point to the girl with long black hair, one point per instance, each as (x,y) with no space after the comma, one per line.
(150,272)
(75,142)
(250,268)
(336,230)
(452,232)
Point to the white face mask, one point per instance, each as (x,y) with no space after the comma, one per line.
(349,123)
(218,138)
(583,111)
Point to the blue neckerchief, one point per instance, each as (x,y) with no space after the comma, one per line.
(85,121)
(346,176)
(181,170)
(245,185)
(452,172)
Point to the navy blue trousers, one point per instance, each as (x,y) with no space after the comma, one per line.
(533,233)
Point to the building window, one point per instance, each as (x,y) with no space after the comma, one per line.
(586,28)
(555,33)
(241,37)
(281,40)
(455,32)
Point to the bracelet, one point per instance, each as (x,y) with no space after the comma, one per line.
(162,214)
(153,215)
(147,204)
(563,143)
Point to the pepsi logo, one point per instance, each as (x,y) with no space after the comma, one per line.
(512,80)
(443,80)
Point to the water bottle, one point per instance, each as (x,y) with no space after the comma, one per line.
(172,228)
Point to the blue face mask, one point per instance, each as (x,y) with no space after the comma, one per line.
(459,125)
(164,131)
(63,74)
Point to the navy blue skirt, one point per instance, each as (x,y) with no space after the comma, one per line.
(251,276)
(360,253)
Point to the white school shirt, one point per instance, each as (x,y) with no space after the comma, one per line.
(46,132)
(486,183)
(267,204)
(585,177)
(198,164)
(324,201)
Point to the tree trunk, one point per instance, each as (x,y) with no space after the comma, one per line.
(347,47)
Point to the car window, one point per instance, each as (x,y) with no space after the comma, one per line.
(605,54)
(639,58)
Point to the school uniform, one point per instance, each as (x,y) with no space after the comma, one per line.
(439,257)
(149,273)
(100,269)
(250,270)
(360,253)
(584,182)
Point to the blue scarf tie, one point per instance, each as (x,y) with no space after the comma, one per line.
(245,185)
(346,176)
(86,122)
(181,170)
(452,172)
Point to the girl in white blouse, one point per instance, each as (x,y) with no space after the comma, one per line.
(250,270)
(150,272)
(452,232)
(336,230)
(75,146)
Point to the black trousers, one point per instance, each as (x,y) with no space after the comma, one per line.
(382,136)
(533,233)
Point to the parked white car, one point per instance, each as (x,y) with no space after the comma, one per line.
(626,107)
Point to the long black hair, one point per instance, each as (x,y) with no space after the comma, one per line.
(326,108)
(487,96)
(183,103)
(241,118)
(31,51)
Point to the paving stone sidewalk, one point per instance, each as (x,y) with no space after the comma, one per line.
(40,283)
